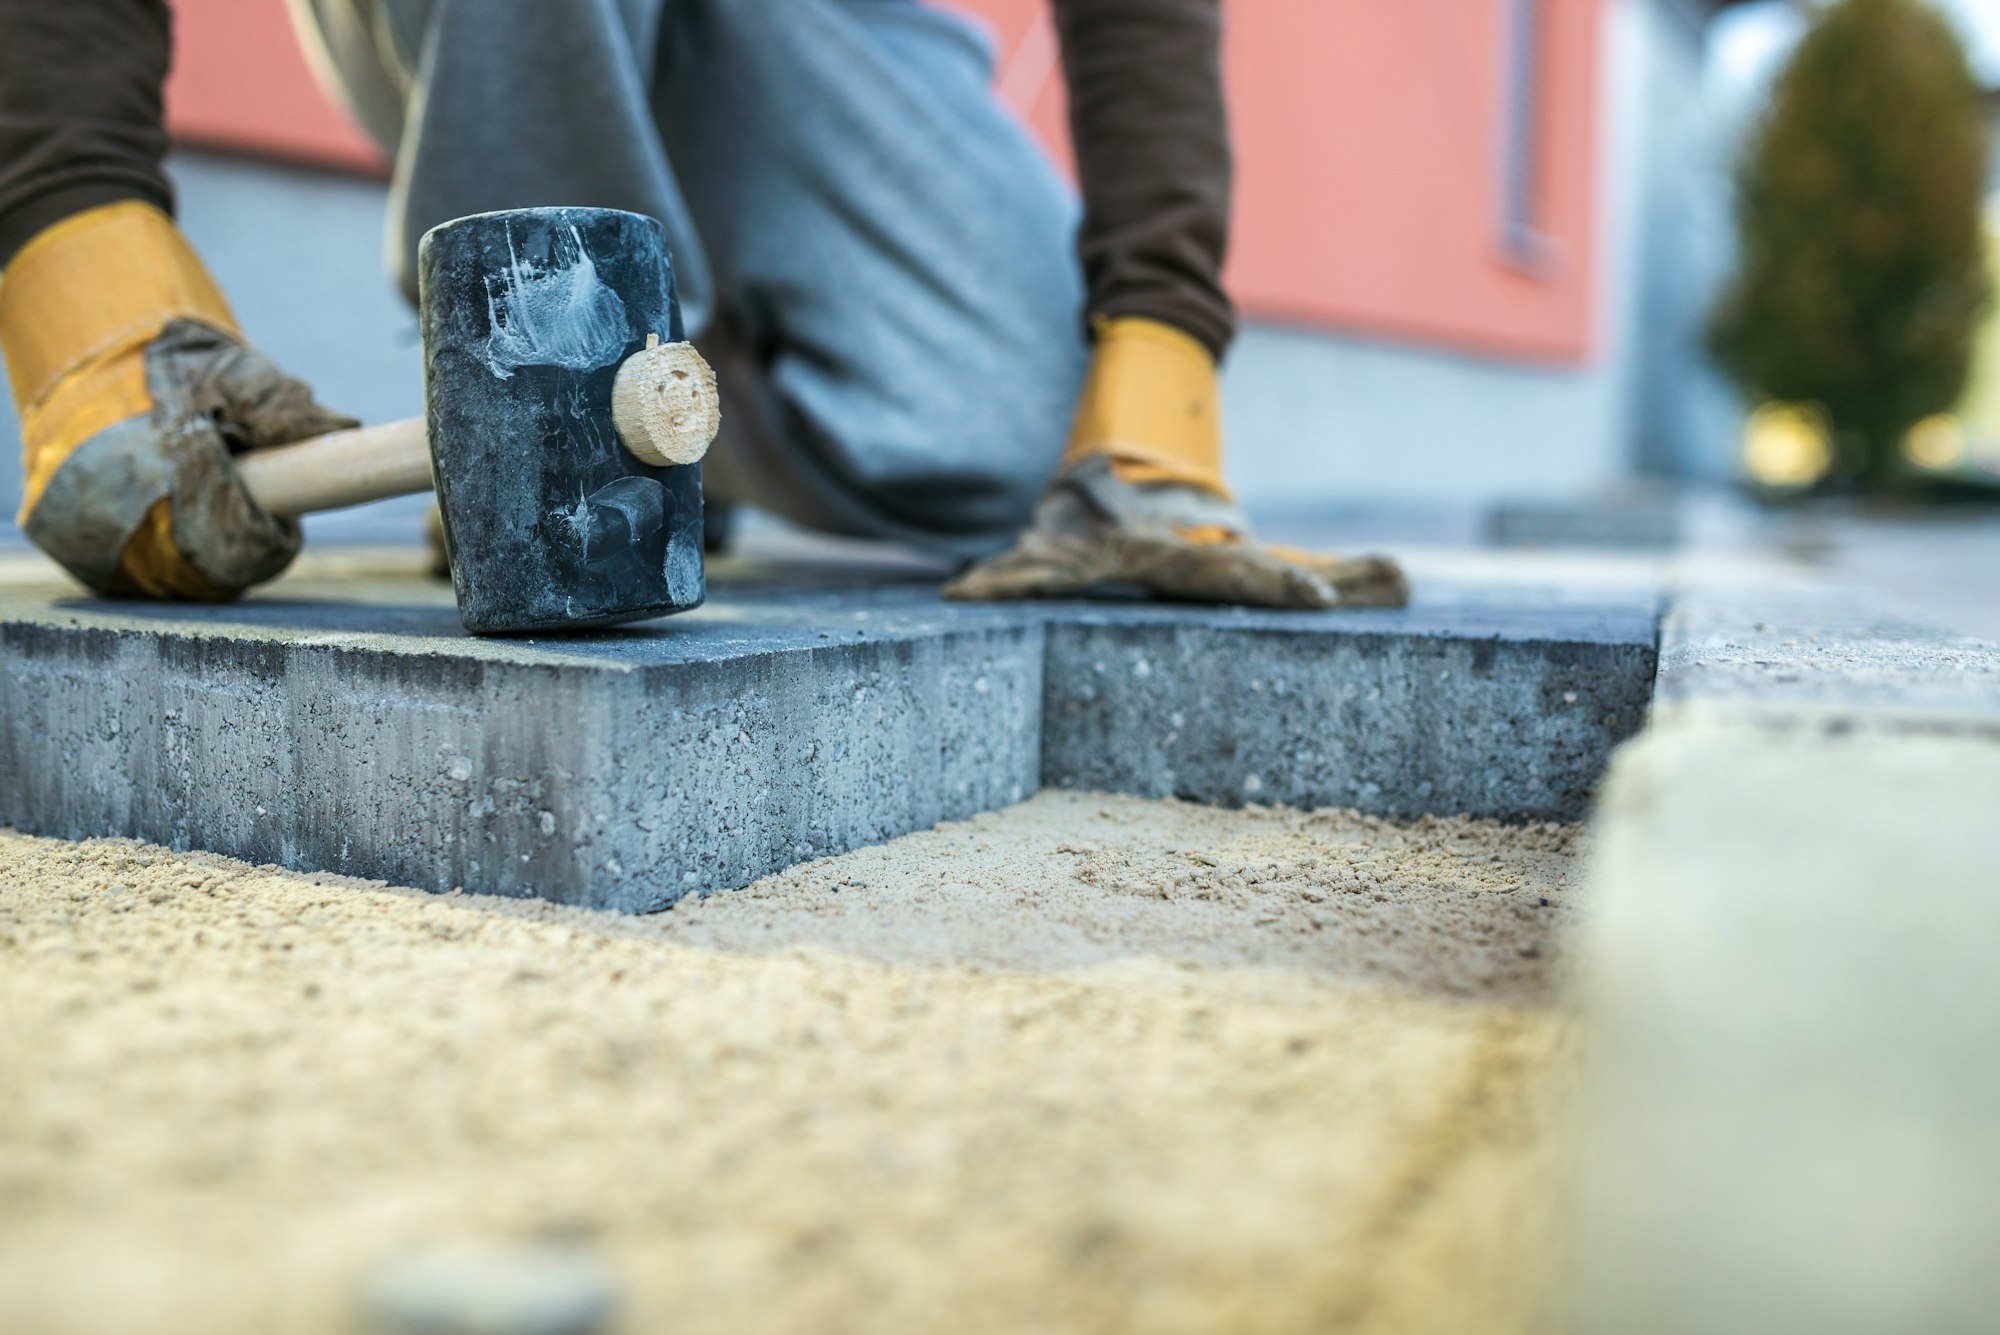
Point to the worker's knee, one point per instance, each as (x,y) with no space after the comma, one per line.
(958,433)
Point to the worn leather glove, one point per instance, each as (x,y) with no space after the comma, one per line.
(1140,502)
(1094,532)
(135,391)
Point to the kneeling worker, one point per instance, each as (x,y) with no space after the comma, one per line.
(881,265)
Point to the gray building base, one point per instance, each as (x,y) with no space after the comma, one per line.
(354,728)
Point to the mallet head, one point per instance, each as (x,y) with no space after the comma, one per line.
(552,520)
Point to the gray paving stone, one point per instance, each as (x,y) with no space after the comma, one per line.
(621,771)
(349,725)
(1630,516)
(1775,651)
(1642,520)
(1474,708)
(1789,985)
(1794,1020)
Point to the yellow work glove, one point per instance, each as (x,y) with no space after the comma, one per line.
(1140,501)
(134,390)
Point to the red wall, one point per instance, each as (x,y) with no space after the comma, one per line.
(239,81)
(1368,139)
(1368,144)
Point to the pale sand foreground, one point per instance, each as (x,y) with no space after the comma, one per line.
(1087,1064)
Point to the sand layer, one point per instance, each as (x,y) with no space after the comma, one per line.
(1087,1064)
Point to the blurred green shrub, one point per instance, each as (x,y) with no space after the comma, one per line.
(1859,204)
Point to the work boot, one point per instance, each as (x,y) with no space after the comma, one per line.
(135,391)
(1139,501)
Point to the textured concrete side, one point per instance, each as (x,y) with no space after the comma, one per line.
(738,769)
(347,724)
(1790,1116)
(1478,713)
(621,773)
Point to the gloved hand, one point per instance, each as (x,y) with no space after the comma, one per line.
(135,390)
(1140,501)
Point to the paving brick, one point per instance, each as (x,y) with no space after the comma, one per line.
(1773,650)
(1464,708)
(1788,977)
(1794,1015)
(349,725)
(620,771)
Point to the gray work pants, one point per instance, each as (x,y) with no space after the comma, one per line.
(874,254)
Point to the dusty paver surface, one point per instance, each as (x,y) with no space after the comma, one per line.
(1090,1063)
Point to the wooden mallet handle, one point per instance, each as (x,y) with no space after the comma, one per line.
(341,468)
(664,409)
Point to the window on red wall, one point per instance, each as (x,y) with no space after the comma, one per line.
(1383,149)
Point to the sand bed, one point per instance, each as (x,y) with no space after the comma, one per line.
(1087,1064)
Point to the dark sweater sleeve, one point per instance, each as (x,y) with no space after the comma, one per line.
(1152,151)
(80,113)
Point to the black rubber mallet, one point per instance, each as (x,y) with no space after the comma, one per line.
(565,419)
